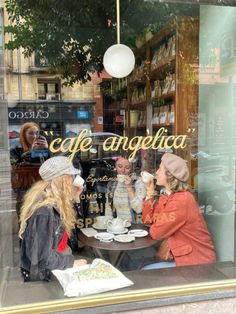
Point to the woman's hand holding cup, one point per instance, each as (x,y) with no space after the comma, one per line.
(148,180)
(78,183)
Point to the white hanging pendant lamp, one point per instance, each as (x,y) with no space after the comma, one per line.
(119,59)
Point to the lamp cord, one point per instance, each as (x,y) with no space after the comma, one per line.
(118,20)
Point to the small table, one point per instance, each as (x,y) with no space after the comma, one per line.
(98,246)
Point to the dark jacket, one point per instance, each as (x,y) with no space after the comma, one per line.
(42,235)
(19,158)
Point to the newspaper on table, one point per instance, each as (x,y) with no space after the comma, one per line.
(100,276)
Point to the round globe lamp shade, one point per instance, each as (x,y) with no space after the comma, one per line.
(119,61)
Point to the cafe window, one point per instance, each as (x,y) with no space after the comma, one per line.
(152,177)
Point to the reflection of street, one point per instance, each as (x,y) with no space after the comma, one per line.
(215,195)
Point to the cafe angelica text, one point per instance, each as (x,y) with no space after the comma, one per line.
(83,143)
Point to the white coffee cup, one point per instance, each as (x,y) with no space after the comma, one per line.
(116,225)
(121,178)
(101,221)
(78,181)
(146,176)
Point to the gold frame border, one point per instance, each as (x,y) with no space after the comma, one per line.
(120,297)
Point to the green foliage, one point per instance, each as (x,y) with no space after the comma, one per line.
(74,35)
(115,94)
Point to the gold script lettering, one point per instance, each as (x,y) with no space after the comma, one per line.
(84,143)
(51,146)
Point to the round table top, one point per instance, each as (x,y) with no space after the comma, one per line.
(138,243)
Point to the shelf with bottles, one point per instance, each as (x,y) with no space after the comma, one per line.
(163,54)
(163,89)
(162,69)
(162,75)
(138,119)
(138,95)
(141,69)
(164,115)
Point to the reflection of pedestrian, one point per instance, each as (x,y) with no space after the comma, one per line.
(26,159)
(30,141)
(128,191)
(48,212)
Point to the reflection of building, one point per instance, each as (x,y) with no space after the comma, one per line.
(55,118)
(34,94)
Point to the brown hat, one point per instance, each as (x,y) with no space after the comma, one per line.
(176,165)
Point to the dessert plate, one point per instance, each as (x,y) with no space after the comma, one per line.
(104,236)
(124,238)
(138,233)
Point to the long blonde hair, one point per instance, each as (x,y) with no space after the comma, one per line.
(176,185)
(58,193)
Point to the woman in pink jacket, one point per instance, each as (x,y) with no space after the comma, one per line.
(176,219)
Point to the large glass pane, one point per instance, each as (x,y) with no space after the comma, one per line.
(154,152)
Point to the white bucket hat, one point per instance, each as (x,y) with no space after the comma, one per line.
(57,166)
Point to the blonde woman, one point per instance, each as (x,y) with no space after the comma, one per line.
(176,219)
(48,212)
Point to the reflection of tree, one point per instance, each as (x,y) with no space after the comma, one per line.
(73,35)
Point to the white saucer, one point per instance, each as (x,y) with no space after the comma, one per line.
(127,224)
(105,236)
(114,232)
(138,233)
(95,226)
(124,238)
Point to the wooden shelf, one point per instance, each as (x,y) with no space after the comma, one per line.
(182,45)
(163,68)
(142,104)
(139,81)
(138,127)
(165,96)
(163,125)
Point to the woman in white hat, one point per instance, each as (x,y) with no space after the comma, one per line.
(176,219)
(48,212)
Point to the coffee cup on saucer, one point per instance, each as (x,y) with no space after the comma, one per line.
(121,178)
(101,222)
(146,176)
(116,225)
(78,181)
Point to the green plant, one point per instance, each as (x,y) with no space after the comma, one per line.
(158,102)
